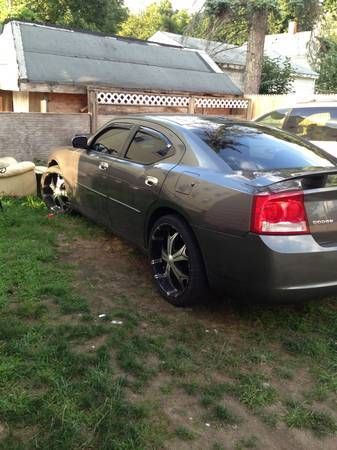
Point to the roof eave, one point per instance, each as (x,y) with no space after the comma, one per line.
(71,88)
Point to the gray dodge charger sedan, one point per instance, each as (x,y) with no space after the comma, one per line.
(245,209)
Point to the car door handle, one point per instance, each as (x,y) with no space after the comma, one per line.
(103,166)
(151,181)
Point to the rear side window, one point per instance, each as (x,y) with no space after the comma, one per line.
(275,118)
(245,147)
(149,147)
(313,124)
(111,141)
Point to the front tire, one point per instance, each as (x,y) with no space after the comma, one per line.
(176,261)
(54,191)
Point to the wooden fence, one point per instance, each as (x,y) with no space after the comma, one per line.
(261,104)
(105,103)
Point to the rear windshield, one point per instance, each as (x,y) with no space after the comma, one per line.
(257,148)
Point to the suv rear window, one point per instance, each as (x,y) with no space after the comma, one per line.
(313,124)
(256,148)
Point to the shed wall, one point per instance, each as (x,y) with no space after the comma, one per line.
(57,102)
(6,101)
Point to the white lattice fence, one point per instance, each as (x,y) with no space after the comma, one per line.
(135,99)
(129,99)
(209,102)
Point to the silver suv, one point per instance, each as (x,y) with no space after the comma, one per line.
(316,122)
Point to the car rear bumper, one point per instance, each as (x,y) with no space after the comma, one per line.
(272,268)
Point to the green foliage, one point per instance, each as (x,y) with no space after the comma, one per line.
(225,416)
(323,50)
(253,390)
(223,29)
(304,12)
(216,22)
(184,433)
(330,6)
(94,15)
(300,416)
(327,81)
(222,7)
(155,17)
(277,76)
(3,11)
(247,442)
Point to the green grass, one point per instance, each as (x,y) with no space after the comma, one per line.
(253,390)
(247,442)
(184,434)
(301,416)
(59,392)
(68,399)
(225,416)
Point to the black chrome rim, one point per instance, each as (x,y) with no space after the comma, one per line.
(55,193)
(170,261)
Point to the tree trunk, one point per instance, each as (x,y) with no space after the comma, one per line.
(257,32)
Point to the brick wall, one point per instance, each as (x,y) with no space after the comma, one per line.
(28,136)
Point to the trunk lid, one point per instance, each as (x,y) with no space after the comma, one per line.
(321,208)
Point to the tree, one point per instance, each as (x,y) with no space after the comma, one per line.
(3,10)
(208,24)
(238,20)
(257,19)
(327,81)
(323,49)
(305,13)
(95,15)
(155,17)
(330,6)
(277,76)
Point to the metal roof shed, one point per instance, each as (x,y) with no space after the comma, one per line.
(45,59)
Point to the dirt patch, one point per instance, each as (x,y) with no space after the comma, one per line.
(108,271)
(91,345)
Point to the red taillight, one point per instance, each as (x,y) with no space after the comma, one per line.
(279,214)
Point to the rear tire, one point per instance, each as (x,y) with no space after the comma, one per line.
(176,262)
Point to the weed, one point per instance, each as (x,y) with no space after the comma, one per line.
(300,416)
(254,391)
(184,434)
(223,415)
(249,442)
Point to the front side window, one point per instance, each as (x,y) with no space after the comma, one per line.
(257,148)
(148,148)
(275,118)
(313,124)
(111,141)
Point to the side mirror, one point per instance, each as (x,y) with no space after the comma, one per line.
(80,142)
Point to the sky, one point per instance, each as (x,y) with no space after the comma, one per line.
(138,5)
